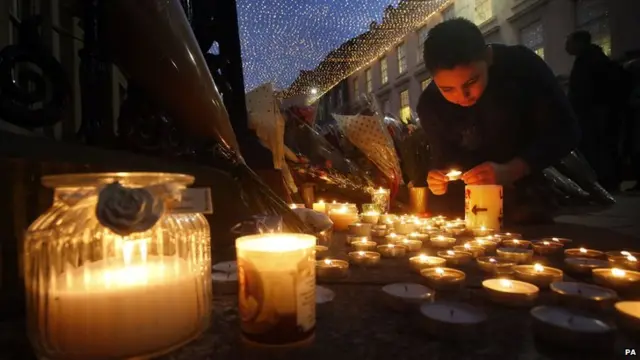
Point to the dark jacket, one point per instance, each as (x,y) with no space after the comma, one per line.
(522,113)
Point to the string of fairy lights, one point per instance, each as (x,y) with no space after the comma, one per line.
(302,43)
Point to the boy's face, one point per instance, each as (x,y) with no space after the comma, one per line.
(464,84)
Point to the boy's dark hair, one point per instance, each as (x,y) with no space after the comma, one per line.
(581,37)
(451,43)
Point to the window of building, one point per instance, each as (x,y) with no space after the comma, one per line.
(424,83)
(484,11)
(402,58)
(384,74)
(532,37)
(405,109)
(422,36)
(356,90)
(369,78)
(449,13)
(593,16)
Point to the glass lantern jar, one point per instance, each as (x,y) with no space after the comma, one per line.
(112,273)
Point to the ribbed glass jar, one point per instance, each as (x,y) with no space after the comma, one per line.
(94,294)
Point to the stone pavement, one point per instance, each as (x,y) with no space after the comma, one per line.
(623,217)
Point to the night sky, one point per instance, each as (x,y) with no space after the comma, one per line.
(280,38)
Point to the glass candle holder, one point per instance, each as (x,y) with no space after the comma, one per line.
(111,272)
(381,197)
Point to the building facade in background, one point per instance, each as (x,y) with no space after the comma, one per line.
(398,78)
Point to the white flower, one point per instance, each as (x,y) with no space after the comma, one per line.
(125,211)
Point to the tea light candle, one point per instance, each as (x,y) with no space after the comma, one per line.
(392,250)
(547,247)
(563,241)
(388,218)
(405,296)
(321,251)
(411,245)
(537,274)
(494,239)
(583,296)
(225,282)
(442,242)
(405,227)
(418,236)
(364,258)
(379,231)
(580,265)
(516,243)
(353,238)
(625,282)
(454,230)
(623,259)
(423,261)
(440,278)
(342,217)
(518,255)
(628,316)
(371,217)
(495,265)
(331,269)
(393,238)
(584,253)
(474,250)
(360,229)
(276,278)
(482,231)
(320,206)
(488,246)
(568,329)
(453,320)
(297,206)
(454,257)
(508,236)
(364,245)
(510,292)
(454,175)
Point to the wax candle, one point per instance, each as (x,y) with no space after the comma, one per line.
(394,238)
(442,242)
(488,246)
(518,255)
(510,292)
(628,316)
(354,238)
(482,231)
(584,253)
(100,308)
(583,296)
(483,207)
(444,279)
(364,245)
(547,247)
(423,261)
(580,265)
(454,175)
(379,230)
(276,299)
(516,243)
(381,198)
(495,265)
(388,218)
(455,258)
(625,282)
(538,274)
(567,329)
(418,236)
(563,241)
(342,217)
(364,258)
(403,227)
(360,229)
(624,259)
(329,269)
(507,236)
(474,250)
(320,206)
(411,245)
(321,251)
(224,283)
(494,239)
(371,217)
(392,250)
(405,296)
(453,320)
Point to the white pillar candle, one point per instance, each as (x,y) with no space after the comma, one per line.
(276,296)
(342,217)
(115,310)
(483,206)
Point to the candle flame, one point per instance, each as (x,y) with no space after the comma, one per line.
(391,245)
(439,271)
(492,260)
(450,252)
(583,250)
(618,273)
(414,234)
(483,228)
(555,239)
(516,241)
(293,206)
(361,253)
(508,234)
(423,257)
(546,243)
(440,237)
(625,253)
(327,261)
(334,202)
(393,235)
(631,258)
(467,246)
(538,268)
(320,201)
(506,283)
(363,241)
